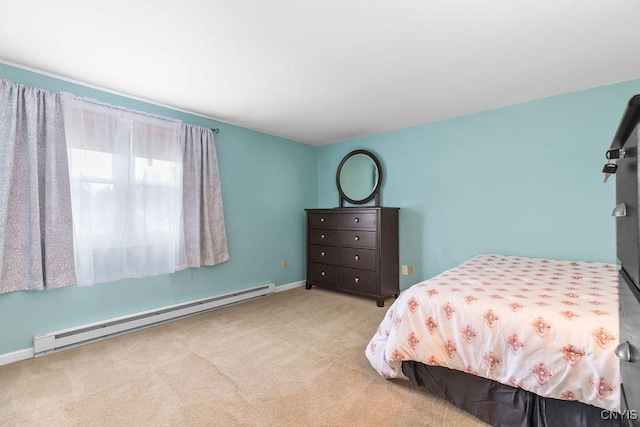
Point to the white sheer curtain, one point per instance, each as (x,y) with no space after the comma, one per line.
(126,186)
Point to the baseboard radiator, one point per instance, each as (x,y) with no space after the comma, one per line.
(73,337)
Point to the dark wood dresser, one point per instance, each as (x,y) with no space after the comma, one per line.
(624,148)
(354,250)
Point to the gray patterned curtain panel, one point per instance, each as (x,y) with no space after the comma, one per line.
(204,229)
(36,233)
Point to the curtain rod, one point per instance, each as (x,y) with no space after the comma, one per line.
(119,107)
(122,108)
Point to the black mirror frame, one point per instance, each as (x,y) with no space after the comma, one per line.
(375,193)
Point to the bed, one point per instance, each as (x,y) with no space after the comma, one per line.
(513,340)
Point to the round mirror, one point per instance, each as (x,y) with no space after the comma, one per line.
(359,177)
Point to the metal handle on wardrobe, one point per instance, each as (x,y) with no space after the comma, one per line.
(357,279)
(620,210)
(623,351)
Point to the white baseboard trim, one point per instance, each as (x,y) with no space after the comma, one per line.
(28,353)
(289,286)
(16,356)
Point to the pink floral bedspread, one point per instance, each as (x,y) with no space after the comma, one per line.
(550,327)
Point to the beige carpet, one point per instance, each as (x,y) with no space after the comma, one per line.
(295,358)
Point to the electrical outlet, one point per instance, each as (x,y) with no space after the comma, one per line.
(407,270)
(285,264)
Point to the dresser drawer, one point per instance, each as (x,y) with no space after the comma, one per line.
(323,254)
(323,220)
(323,274)
(358,220)
(357,238)
(362,281)
(323,237)
(358,258)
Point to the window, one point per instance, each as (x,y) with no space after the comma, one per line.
(126,190)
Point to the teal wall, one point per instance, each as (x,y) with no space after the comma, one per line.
(524,180)
(267,182)
(521,180)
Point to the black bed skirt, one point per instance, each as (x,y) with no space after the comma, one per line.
(501,405)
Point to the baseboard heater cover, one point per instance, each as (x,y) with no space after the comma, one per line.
(53,342)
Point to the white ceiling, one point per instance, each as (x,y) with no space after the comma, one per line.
(330,70)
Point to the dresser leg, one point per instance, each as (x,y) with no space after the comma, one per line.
(307,286)
(380,302)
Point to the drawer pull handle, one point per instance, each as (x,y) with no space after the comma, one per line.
(357,280)
(322,253)
(356,238)
(356,219)
(322,236)
(357,257)
(623,351)
(323,274)
(321,219)
(620,210)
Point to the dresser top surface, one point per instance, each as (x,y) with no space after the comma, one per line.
(351,209)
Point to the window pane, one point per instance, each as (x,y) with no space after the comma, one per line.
(97,208)
(87,163)
(155,171)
